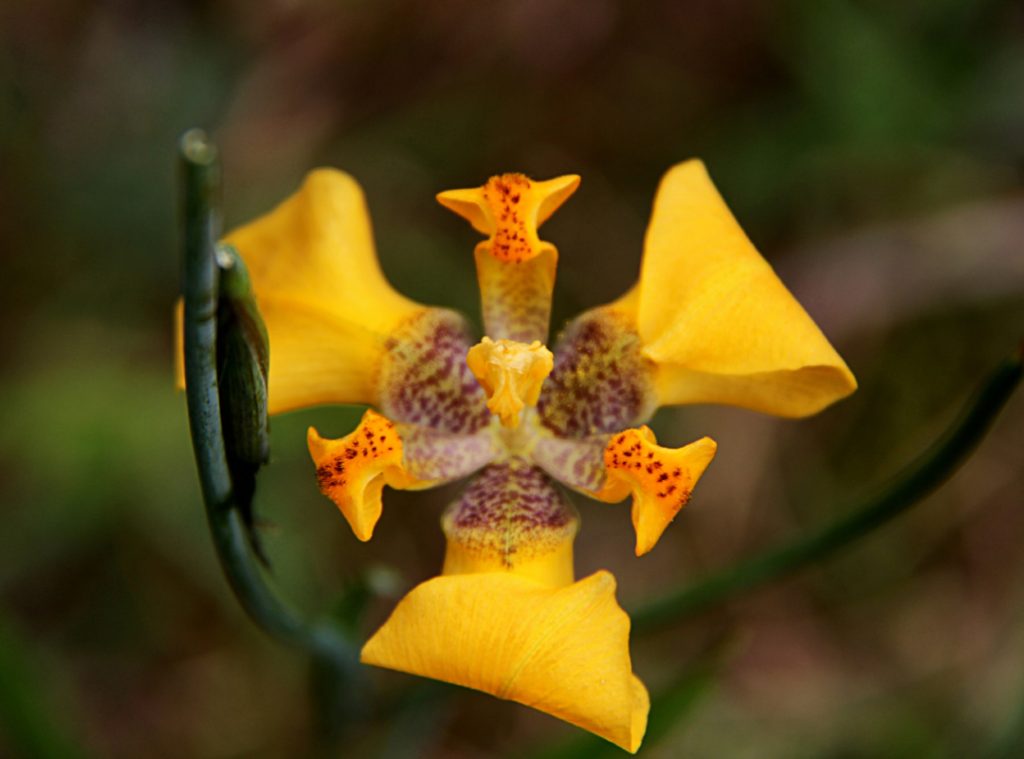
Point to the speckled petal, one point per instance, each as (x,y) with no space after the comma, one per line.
(515,268)
(424,379)
(352,471)
(601,382)
(439,457)
(660,479)
(564,651)
(512,518)
(576,462)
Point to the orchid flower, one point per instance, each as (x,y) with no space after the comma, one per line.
(708,321)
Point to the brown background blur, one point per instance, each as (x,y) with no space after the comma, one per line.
(874,151)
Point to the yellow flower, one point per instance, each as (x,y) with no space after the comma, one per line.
(707,322)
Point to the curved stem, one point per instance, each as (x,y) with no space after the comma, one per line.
(916,481)
(201,275)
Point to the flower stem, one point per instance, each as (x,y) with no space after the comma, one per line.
(917,480)
(201,290)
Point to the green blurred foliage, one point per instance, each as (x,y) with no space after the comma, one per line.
(873,150)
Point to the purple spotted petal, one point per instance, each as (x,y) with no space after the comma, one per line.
(425,380)
(512,510)
(576,462)
(600,383)
(432,455)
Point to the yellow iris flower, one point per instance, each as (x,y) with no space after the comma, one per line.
(707,322)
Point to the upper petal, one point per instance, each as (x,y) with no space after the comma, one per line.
(715,318)
(515,268)
(424,378)
(326,303)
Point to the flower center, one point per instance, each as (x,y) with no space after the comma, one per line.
(511,373)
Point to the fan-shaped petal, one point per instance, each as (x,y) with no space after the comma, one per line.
(714,317)
(564,651)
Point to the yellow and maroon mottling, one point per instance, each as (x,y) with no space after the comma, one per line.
(601,383)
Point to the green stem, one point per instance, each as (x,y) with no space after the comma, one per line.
(201,185)
(919,479)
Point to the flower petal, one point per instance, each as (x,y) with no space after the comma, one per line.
(424,379)
(512,518)
(601,382)
(715,318)
(436,457)
(320,290)
(564,651)
(575,462)
(660,479)
(352,471)
(515,268)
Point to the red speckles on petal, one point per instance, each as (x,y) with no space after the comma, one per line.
(660,479)
(515,237)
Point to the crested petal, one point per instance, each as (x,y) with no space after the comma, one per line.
(515,268)
(352,471)
(715,318)
(660,479)
(564,651)
(320,290)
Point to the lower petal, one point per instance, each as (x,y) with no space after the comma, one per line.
(563,651)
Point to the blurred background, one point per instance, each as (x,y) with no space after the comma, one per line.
(874,152)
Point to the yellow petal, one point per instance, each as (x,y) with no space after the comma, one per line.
(511,374)
(508,209)
(515,268)
(660,479)
(515,297)
(715,318)
(320,290)
(564,651)
(352,471)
